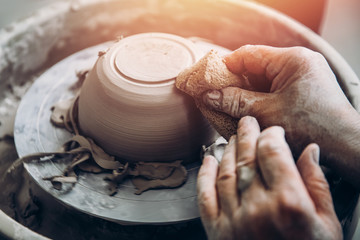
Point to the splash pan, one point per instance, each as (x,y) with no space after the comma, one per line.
(35,133)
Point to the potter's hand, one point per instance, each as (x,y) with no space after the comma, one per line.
(296,89)
(283,201)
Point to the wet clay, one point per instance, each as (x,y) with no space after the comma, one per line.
(130,107)
(89,157)
(130,119)
(210,73)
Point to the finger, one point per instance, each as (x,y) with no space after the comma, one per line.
(254,59)
(314,179)
(226,181)
(275,161)
(268,67)
(247,134)
(206,189)
(238,102)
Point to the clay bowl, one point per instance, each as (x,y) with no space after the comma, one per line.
(129,104)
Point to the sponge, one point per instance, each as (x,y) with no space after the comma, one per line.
(210,73)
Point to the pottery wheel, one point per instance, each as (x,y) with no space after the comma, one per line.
(35,133)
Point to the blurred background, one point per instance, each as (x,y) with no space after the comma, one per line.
(341,28)
(336,21)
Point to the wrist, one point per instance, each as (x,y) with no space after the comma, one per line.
(340,148)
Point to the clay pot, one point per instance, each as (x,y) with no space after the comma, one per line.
(129,104)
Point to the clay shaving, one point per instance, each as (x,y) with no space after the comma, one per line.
(88,157)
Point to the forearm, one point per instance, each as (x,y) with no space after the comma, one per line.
(336,131)
(340,149)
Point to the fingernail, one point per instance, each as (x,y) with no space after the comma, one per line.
(247,120)
(212,99)
(316,154)
(209,160)
(214,94)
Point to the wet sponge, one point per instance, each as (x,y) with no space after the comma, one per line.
(210,73)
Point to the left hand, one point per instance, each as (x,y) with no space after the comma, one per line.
(283,201)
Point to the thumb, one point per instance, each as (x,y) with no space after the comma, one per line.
(237,102)
(314,179)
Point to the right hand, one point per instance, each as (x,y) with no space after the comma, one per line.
(296,89)
(282,200)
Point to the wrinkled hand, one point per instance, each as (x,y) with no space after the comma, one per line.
(296,89)
(284,200)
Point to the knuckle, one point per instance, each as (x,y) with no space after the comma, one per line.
(204,197)
(318,56)
(248,46)
(246,138)
(242,135)
(269,147)
(301,52)
(323,185)
(246,158)
(234,102)
(254,212)
(244,141)
(247,132)
(306,56)
(318,182)
(272,141)
(239,105)
(226,176)
(320,186)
